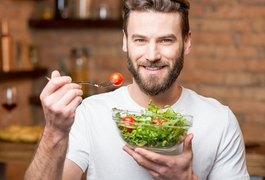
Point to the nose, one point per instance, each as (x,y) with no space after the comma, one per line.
(152,52)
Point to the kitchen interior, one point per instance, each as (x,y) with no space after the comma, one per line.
(227,62)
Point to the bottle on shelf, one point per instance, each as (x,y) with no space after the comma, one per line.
(83,9)
(61,9)
(103,11)
(80,66)
(6,48)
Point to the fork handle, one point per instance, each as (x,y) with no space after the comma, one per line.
(105,84)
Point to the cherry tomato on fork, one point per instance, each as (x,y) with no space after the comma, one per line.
(116,78)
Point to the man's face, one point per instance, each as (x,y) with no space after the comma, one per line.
(155,50)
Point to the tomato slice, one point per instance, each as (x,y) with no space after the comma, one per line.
(116,78)
(159,121)
(128,121)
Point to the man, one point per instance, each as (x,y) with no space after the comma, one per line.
(156,38)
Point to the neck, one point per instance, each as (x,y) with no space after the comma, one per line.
(169,97)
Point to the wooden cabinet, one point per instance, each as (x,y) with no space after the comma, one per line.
(14,153)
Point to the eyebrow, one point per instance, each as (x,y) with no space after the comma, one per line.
(137,36)
(161,37)
(172,36)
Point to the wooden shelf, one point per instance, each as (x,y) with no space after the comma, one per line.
(16,152)
(35,100)
(75,23)
(15,75)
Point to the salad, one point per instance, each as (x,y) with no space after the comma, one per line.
(152,127)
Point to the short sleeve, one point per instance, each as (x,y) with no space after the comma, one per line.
(230,163)
(78,150)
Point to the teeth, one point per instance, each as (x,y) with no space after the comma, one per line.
(153,68)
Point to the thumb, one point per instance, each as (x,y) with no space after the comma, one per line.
(187,145)
(55,74)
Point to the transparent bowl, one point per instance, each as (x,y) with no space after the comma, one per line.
(151,131)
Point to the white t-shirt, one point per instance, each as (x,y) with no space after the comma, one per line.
(95,144)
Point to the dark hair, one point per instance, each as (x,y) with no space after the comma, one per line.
(179,6)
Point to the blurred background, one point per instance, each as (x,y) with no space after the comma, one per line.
(227,62)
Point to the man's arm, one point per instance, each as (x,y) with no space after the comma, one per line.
(49,159)
(59,100)
(71,171)
(51,165)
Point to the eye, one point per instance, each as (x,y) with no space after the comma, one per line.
(167,41)
(139,40)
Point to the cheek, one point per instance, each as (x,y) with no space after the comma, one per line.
(169,53)
(136,53)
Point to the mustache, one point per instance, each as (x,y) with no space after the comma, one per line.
(152,64)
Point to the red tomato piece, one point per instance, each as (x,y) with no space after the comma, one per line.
(159,121)
(128,120)
(116,78)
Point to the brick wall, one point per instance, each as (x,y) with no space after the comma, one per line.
(227,61)
(17,12)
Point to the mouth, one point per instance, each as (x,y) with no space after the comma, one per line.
(152,68)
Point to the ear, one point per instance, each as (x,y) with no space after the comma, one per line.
(124,41)
(187,43)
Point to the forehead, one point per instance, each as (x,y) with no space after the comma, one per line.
(153,23)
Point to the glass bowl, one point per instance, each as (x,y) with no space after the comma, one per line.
(156,132)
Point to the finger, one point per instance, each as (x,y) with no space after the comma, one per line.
(194,177)
(69,96)
(154,174)
(63,95)
(74,103)
(131,151)
(55,83)
(152,156)
(151,166)
(127,149)
(187,145)
(55,74)
(134,155)
(71,107)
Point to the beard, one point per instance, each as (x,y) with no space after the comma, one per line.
(153,85)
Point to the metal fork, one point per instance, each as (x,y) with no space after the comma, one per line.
(98,85)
